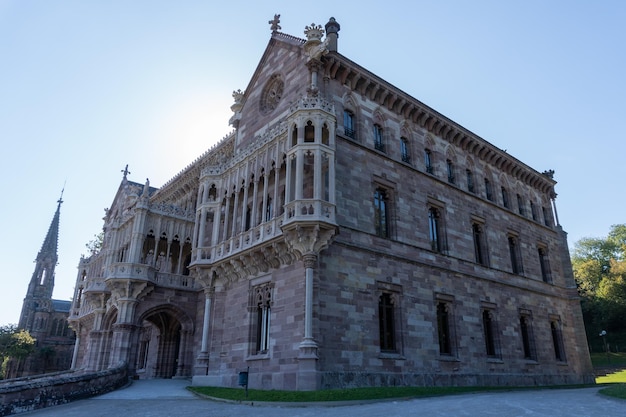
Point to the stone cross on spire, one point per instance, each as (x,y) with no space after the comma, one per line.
(275,23)
(125,171)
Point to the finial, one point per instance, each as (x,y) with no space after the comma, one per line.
(60,200)
(125,171)
(314,32)
(275,23)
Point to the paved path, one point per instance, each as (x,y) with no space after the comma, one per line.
(165,398)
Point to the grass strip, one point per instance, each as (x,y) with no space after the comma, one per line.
(351,394)
(615,391)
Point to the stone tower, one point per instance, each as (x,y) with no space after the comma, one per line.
(37,305)
(43,317)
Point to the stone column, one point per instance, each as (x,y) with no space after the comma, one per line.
(308,345)
(202,361)
(76,346)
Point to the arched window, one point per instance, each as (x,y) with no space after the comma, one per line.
(309,132)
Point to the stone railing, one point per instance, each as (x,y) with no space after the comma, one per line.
(310,210)
(144,272)
(241,242)
(32,393)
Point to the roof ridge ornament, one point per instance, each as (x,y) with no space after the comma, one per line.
(314,47)
(275,27)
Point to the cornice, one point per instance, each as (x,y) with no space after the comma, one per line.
(374,88)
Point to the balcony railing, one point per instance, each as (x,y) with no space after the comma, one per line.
(297,210)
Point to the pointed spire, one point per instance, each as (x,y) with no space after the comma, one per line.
(50,244)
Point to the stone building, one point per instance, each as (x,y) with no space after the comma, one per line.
(42,316)
(344,234)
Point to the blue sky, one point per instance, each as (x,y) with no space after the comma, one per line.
(89,86)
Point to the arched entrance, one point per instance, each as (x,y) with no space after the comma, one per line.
(162,343)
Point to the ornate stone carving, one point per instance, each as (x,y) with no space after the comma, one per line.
(272,93)
(308,238)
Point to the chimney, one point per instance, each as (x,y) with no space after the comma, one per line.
(332,33)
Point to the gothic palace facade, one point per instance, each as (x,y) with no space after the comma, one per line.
(344,234)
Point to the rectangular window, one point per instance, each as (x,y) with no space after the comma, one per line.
(348,124)
(505,198)
(428,163)
(490,333)
(544,264)
(386,323)
(381,213)
(470,180)
(444,328)
(404,150)
(480,252)
(528,343)
(514,253)
(435,229)
(378,138)
(546,217)
(488,190)
(533,211)
(262,298)
(557,340)
(450,170)
(520,205)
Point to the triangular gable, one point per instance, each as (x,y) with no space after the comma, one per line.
(280,78)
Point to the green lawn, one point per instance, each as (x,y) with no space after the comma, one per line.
(353,394)
(616,384)
(602,360)
(617,388)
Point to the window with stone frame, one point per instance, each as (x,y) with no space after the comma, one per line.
(261,305)
(436,230)
(544,264)
(379,143)
(490,332)
(349,125)
(515,254)
(557,339)
(428,161)
(533,211)
(526,332)
(546,217)
(445,325)
(382,211)
(520,205)
(488,190)
(481,255)
(387,322)
(505,198)
(450,171)
(470,180)
(404,150)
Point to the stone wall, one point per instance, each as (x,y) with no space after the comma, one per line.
(32,393)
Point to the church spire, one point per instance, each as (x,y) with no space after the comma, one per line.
(39,295)
(50,244)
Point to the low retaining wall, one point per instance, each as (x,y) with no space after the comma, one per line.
(32,393)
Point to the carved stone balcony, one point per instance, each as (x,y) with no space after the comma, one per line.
(147,273)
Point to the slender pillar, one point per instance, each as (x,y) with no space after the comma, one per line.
(308,342)
(76,346)
(205,323)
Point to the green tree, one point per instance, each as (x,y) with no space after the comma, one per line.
(95,245)
(15,343)
(600,270)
